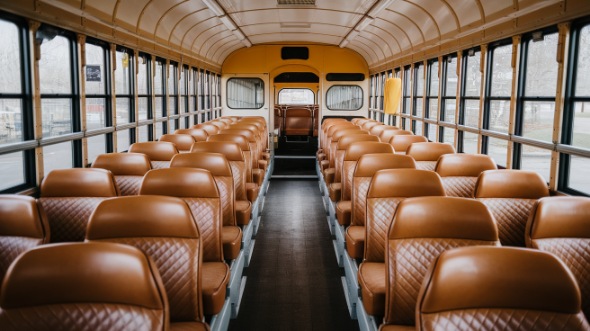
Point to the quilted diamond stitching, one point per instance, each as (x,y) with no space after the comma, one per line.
(426,165)
(575,253)
(11,247)
(503,319)
(409,260)
(128,185)
(459,186)
(226,195)
(380,213)
(511,216)
(239,174)
(82,317)
(359,201)
(68,217)
(207,214)
(347,174)
(178,263)
(160,164)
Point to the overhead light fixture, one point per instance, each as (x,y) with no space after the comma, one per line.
(363,23)
(228,22)
(214,7)
(377,8)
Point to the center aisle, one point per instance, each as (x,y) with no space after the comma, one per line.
(293,278)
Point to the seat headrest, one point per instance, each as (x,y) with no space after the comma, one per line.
(333,127)
(467,165)
(82,273)
(368,164)
(499,277)
(179,182)
(377,129)
(401,142)
(235,138)
(231,150)
(252,126)
(246,133)
(516,184)
(220,124)
(359,148)
(210,128)
(357,135)
(298,112)
(198,134)
(142,216)
(123,164)
(385,135)
(369,124)
(443,217)
(346,131)
(79,182)
(405,183)
(559,217)
(20,217)
(429,151)
(182,141)
(155,150)
(216,163)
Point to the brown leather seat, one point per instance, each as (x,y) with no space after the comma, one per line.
(84,286)
(182,141)
(163,228)
(377,129)
(298,122)
(220,124)
(327,162)
(22,226)
(253,140)
(235,157)
(401,143)
(459,172)
(427,154)
(198,189)
(209,128)
(386,135)
(423,228)
(69,196)
(364,171)
(159,152)
(217,164)
(127,168)
(491,288)
(387,189)
(561,226)
(198,134)
(510,196)
(367,125)
(252,188)
(332,174)
(323,135)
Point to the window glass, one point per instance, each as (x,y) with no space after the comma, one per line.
(160,129)
(11,129)
(11,169)
(433,90)
(172,89)
(58,156)
(143,133)
(123,141)
(499,115)
(96,146)
(95,113)
(123,83)
(579,174)
(536,159)
(245,93)
(56,116)
(470,142)
(471,112)
(451,78)
(143,89)
(417,127)
(95,70)
(498,150)
(472,75)
(538,119)
(449,136)
(10,65)
(450,107)
(54,66)
(296,96)
(502,71)
(431,132)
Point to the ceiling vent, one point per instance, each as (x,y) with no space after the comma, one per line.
(296,2)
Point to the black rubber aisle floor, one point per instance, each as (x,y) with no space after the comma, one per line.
(293,278)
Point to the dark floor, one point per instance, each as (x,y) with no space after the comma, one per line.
(293,279)
(294,167)
(297,145)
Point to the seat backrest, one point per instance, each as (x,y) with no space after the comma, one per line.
(22,226)
(385,135)
(330,129)
(341,140)
(377,129)
(220,124)
(259,130)
(252,139)
(163,228)
(183,141)
(367,125)
(220,169)
(198,134)
(233,154)
(401,142)
(69,196)
(423,228)
(426,154)
(363,173)
(326,125)
(387,189)
(510,196)
(198,189)
(209,128)
(561,225)
(298,121)
(159,152)
(83,286)
(352,150)
(459,172)
(244,146)
(337,134)
(479,288)
(127,168)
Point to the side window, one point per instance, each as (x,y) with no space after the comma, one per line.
(245,93)
(344,97)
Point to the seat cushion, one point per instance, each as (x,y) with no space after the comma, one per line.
(355,241)
(231,236)
(329,175)
(252,191)
(324,164)
(335,191)
(214,284)
(343,212)
(258,176)
(372,282)
(243,212)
